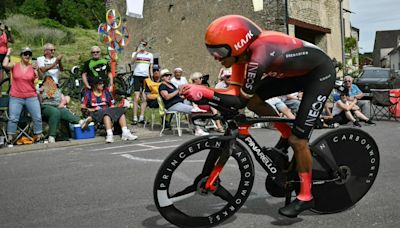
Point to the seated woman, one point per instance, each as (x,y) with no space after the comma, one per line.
(23,93)
(344,111)
(54,108)
(172,101)
(197,78)
(98,104)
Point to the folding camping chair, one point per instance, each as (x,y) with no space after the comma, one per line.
(382,104)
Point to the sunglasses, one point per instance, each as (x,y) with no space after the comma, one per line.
(219,51)
(51,49)
(95,52)
(347,81)
(27,53)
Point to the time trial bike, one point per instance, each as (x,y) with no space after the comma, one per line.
(206,180)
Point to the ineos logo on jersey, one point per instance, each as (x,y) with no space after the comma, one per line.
(315,110)
(251,75)
(244,41)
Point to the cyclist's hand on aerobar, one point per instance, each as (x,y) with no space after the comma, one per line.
(196,92)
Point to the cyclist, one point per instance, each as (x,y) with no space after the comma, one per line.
(266,64)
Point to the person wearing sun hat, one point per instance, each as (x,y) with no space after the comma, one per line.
(172,99)
(23,93)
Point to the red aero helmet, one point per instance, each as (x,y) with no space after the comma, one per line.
(230,35)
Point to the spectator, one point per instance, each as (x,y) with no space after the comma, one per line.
(98,105)
(151,87)
(355,93)
(49,64)
(197,78)
(97,67)
(142,62)
(224,77)
(280,107)
(5,38)
(172,101)
(54,110)
(292,101)
(178,80)
(23,93)
(344,111)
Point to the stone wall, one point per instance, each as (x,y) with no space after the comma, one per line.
(323,13)
(176,28)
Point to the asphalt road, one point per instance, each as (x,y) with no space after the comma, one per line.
(111,186)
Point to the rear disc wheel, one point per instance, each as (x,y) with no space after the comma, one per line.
(357,156)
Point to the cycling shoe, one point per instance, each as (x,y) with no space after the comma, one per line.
(296,207)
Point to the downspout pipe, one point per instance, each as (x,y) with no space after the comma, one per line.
(342,37)
(287,16)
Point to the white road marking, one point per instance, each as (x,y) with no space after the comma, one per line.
(146,149)
(153,160)
(139,144)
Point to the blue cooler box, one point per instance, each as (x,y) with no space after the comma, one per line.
(77,132)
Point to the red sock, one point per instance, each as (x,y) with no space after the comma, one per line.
(284,129)
(305,186)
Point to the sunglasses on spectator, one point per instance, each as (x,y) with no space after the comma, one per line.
(95,52)
(347,81)
(27,53)
(51,49)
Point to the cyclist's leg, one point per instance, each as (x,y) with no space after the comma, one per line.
(323,78)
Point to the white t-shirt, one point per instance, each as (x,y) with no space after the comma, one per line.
(142,64)
(180,82)
(54,72)
(221,85)
(337,110)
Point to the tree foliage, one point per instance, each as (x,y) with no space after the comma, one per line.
(71,13)
(35,8)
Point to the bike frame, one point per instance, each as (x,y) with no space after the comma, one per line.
(261,156)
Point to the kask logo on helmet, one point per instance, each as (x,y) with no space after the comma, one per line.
(244,40)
